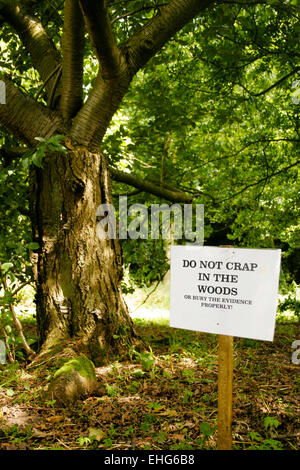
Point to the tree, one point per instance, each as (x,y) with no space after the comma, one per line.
(77,275)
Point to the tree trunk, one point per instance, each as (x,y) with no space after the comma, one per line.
(78,276)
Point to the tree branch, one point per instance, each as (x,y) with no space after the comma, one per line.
(133,12)
(145,43)
(274,85)
(150,187)
(72,65)
(98,24)
(43,53)
(30,353)
(262,180)
(91,122)
(25,118)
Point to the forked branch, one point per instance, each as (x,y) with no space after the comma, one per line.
(120,64)
(72,64)
(98,24)
(43,53)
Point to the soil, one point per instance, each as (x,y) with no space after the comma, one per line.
(164,399)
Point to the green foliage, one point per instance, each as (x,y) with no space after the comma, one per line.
(146,261)
(259,443)
(111,390)
(271,422)
(15,434)
(290,303)
(222,122)
(206,431)
(36,156)
(187,395)
(146,359)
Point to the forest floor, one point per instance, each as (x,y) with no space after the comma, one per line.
(162,400)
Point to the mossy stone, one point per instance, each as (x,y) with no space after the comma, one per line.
(74,380)
(81,364)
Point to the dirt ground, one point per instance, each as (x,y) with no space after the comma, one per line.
(162,400)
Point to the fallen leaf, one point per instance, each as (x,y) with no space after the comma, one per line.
(40,434)
(189,425)
(158,409)
(55,419)
(178,437)
(168,413)
(98,434)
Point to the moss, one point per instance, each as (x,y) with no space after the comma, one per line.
(81,364)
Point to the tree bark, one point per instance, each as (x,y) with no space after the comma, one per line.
(25,118)
(78,275)
(72,64)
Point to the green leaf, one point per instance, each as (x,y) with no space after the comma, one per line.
(6,267)
(37,158)
(26,163)
(206,429)
(255,436)
(271,422)
(8,329)
(33,246)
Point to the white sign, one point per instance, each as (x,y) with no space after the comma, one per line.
(227,291)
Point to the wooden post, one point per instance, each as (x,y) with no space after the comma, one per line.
(225,376)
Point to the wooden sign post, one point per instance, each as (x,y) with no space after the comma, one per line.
(225,377)
(229,292)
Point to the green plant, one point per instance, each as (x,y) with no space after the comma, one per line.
(160,437)
(187,395)
(111,390)
(188,375)
(259,443)
(271,422)
(155,406)
(36,156)
(148,422)
(146,359)
(138,373)
(84,441)
(133,387)
(290,303)
(130,431)
(108,442)
(50,403)
(206,430)
(15,434)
